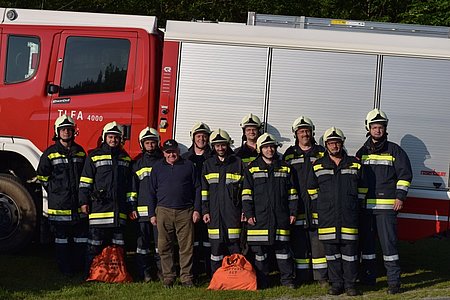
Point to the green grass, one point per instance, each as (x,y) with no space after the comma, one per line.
(33,275)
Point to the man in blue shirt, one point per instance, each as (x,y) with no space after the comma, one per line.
(174,208)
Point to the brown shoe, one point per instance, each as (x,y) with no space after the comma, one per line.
(168,283)
(188,284)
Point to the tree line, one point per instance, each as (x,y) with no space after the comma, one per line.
(425,12)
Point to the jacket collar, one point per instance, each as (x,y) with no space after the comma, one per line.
(259,161)
(378,147)
(228,159)
(180,161)
(157,154)
(206,153)
(327,162)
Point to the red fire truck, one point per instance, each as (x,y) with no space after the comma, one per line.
(100,67)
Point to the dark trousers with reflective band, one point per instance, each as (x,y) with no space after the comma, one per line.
(219,249)
(70,244)
(147,257)
(342,261)
(386,227)
(202,250)
(175,225)
(284,260)
(99,238)
(300,248)
(318,259)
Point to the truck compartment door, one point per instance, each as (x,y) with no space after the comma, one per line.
(333,89)
(218,85)
(415,95)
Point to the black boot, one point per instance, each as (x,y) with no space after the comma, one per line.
(335,291)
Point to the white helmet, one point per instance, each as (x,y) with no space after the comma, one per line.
(250,120)
(376,116)
(265,139)
(332,134)
(220,136)
(63,121)
(199,127)
(148,133)
(112,128)
(302,121)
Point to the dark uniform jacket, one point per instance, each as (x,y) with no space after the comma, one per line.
(270,196)
(59,172)
(246,154)
(389,174)
(221,196)
(301,162)
(105,185)
(338,191)
(198,160)
(142,168)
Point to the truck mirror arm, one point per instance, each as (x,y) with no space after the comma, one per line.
(52,88)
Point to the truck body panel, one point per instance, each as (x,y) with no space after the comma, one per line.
(334,77)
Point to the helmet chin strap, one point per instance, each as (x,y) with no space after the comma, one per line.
(378,139)
(67,140)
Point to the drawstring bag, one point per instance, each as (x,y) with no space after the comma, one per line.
(109,266)
(236,273)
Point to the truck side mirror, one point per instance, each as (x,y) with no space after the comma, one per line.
(52,89)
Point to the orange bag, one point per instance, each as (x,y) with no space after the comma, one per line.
(236,273)
(109,266)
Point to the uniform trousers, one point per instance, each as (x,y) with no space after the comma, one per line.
(385,225)
(318,259)
(70,244)
(99,238)
(219,249)
(147,256)
(342,261)
(284,260)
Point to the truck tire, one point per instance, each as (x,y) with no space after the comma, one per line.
(17,215)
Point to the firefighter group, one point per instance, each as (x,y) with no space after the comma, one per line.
(316,211)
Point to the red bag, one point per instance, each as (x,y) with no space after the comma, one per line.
(109,266)
(236,273)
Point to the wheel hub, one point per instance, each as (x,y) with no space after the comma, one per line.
(9,216)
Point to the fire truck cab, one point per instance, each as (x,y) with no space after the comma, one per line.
(95,68)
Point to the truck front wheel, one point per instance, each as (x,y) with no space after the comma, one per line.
(17,215)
